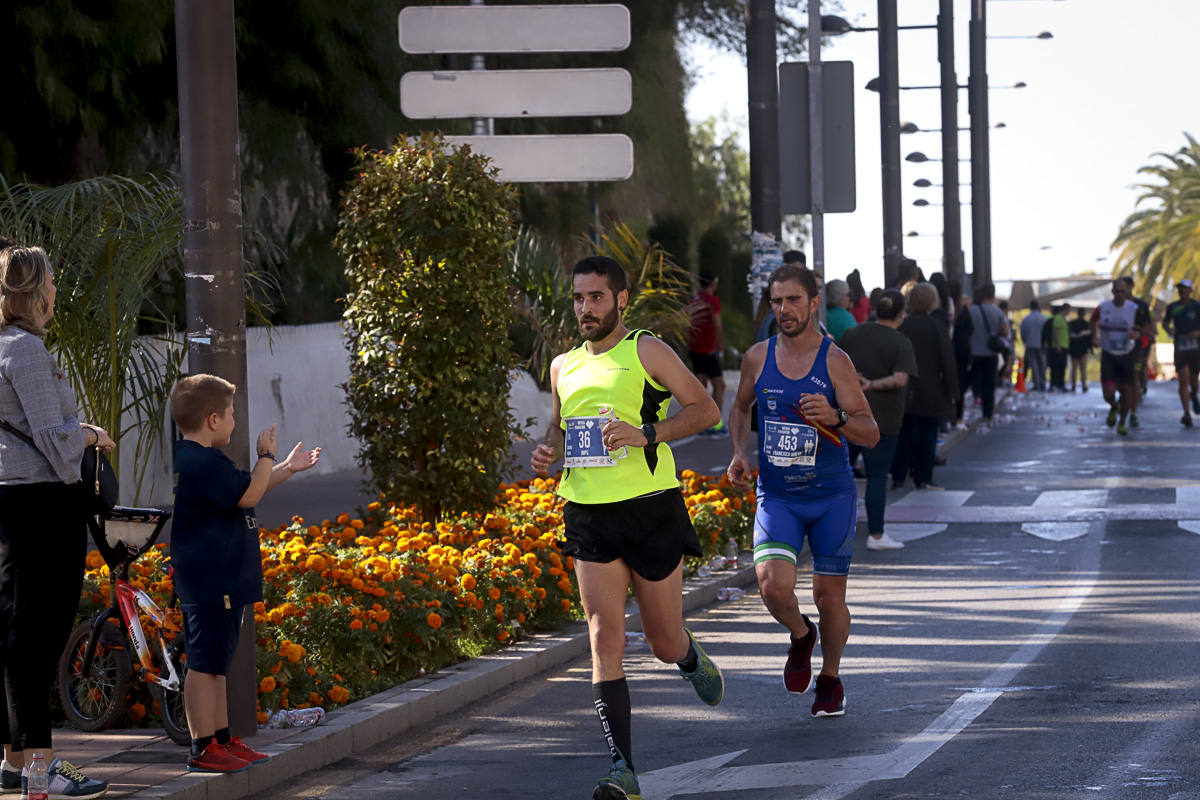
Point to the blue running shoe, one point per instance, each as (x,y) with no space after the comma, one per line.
(706,678)
(619,784)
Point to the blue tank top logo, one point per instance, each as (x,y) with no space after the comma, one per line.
(787,465)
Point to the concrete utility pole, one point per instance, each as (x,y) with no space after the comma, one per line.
(764,117)
(212,250)
(952,264)
(889,137)
(981,191)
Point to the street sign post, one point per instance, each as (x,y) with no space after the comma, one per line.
(516,93)
(585,28)
(556,159)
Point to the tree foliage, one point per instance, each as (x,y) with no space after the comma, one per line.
(425,230)
(109,240)
(1160,244)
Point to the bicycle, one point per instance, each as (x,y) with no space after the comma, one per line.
(96,668)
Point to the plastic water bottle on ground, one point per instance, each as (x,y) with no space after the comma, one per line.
(730,593)
(296,718)
(731,553)
(37,779)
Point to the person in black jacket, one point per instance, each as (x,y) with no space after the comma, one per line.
(962,356)
(931,393)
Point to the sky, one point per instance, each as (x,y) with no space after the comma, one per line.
(1115,85)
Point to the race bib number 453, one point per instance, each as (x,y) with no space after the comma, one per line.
(583,445)
(788,444)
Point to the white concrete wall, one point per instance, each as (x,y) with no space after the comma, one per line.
(295,379)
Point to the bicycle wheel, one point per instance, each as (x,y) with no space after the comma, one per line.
(170,703)
(95,701)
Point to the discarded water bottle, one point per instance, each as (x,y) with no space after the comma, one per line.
(717,563)
(635,640)
(703,571)
(296,718)
(37,779)
(730,593)
(731,553)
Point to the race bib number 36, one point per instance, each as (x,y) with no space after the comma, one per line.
(788,444)
(584,446)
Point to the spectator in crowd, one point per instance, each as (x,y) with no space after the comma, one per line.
(873,303)
(962,357)
(989,336)
(1060,341)
(707,343)
(838,318)
(885,362)
(1031,335)
(860,303)
(907,275)
(1080,332)
(1004,375)
(931,391)
(943,312)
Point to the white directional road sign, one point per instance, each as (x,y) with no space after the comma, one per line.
(515,29)
(516,93)
(551,159)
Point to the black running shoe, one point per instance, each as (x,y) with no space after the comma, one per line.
(1133,421)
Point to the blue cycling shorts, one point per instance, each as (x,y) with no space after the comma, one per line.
(780,527)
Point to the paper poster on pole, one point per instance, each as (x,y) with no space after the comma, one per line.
(766,257)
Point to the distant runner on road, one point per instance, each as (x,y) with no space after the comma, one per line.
(625,518)
(1182,322)
(1117,325)
(809,403)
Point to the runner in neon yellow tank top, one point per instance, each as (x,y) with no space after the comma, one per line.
(625,519)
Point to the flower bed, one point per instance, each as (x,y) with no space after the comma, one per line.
(356,605)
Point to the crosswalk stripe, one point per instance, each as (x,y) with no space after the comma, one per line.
(1072,498)
(1057,531)
(925,499)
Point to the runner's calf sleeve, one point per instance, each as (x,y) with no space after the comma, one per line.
(612,706)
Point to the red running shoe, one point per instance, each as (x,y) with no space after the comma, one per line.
(831,700)
(217,758)
(239,749)
(797,672)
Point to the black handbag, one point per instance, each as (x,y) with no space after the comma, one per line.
(995,342)
(97,478)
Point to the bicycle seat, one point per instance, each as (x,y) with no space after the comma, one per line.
(124,533)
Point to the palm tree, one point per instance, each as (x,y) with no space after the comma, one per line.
(111,241)
(1160,244)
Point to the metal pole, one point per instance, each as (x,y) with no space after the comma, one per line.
(981,245)
(480,126)
(816,138)
(212,251)
(764,117)
(951,214)
(889,136)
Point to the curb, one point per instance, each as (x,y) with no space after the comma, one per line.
(365,723)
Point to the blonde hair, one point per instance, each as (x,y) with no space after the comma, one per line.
(195,397)
(923,298)
(24,273)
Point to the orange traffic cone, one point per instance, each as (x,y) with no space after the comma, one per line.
(1020,376)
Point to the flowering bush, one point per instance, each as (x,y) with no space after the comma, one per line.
(356,605)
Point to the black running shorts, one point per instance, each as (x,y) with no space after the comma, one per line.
(706,364)
(651,533)
(1188,358)
(1118,369)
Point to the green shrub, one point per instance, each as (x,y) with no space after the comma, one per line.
(425,230)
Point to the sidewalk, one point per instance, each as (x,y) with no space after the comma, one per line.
(143,763)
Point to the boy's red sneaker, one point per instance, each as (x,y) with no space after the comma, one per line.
(217,758)
(238,748)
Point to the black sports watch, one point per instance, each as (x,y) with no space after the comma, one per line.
(843,418)
(650,434)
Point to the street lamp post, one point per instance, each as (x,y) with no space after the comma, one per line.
(981,224)
(889,131)
(764,117)
(952,264)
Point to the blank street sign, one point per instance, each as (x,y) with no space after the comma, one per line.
(516,93)
(552,159)
(514,29)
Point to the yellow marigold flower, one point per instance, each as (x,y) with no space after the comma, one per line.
(370,507)
(316,563)
(467,582)
(434,620)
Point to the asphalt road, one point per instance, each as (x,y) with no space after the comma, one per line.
(1037,638)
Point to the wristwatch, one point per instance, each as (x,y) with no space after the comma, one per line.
(843,418)
(650,434)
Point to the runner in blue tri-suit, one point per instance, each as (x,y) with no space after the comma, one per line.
(809,403)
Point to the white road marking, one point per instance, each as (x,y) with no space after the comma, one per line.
(934,499)
(843,776)
(1190,525)
(1187,495)
(908,531)
(1057,531)
(1072,498)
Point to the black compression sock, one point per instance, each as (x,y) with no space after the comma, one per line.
(199,744)
(691,660)
(612,706)
(223,736)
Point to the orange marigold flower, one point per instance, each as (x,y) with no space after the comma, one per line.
(356,625)
(434,620)
(266,685)
(467,582)
(370,507)
(566,604)
(494,593)
(137,710)
(502,636)
(315,699)
(343,519)
(338,694)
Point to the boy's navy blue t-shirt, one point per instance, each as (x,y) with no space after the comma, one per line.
(214,543)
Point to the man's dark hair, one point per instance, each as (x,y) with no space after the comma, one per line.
(801,275)
(1128,281)
(907,271)
(706,279)
(795,257)
(603,265)
(891,303)
(1033,305)
(983,292)
(1002,305)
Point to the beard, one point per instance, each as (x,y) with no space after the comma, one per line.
(604,325)
(801,326)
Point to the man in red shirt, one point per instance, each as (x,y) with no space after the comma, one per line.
(707,342)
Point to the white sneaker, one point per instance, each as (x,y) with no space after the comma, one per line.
(883,542)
